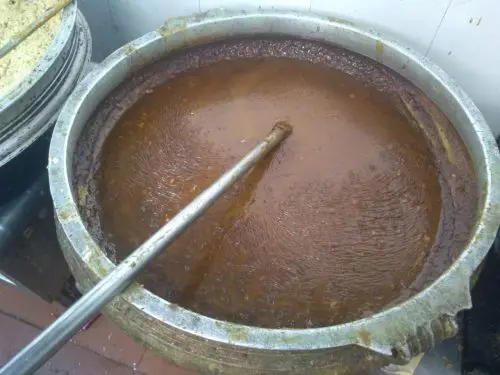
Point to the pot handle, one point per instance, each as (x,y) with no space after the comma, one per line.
(425,337)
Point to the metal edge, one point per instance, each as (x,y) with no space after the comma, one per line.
(6,279)
(68,19)
(46,118)
(388,330)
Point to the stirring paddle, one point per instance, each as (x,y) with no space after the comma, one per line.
(45,345)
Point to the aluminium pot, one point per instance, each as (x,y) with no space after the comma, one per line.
(208,345)
(29,109)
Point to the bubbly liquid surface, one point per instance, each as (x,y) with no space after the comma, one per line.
(332,226)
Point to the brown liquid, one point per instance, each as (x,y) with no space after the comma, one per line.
(333,225)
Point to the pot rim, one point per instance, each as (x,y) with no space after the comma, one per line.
(388,332)
(51,54)
(34,122)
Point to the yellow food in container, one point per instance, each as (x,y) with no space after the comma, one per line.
(16,15)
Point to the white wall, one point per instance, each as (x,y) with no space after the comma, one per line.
(462,36)
(467,47)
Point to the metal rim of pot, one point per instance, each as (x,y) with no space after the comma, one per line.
(398,332)
(24,140)
(68,18)
(29,108)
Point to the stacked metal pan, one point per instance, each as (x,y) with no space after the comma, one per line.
(29,110)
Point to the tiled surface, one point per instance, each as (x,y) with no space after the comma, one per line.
(152,364)
(101,349)
(106,339)
(147,15)
(249,4)
(27,307)
(70,360)
(466,47)
(411,22)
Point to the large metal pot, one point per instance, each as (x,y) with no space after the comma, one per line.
(29,109)
(208,345)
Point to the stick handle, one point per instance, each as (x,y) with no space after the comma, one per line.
(43,347)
